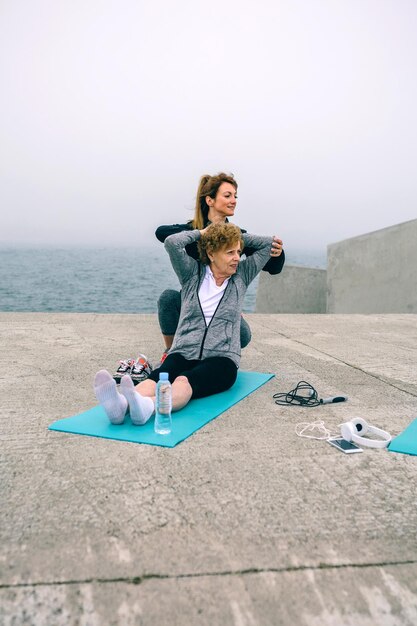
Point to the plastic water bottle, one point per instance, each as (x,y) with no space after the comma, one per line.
(163,422)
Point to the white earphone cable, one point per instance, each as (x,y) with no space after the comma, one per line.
(314,430)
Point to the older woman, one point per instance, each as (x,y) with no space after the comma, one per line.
(205,354)
(216,202)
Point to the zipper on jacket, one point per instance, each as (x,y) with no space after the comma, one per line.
(202,343)
(202,313)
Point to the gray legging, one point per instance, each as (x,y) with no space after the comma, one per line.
(169,307)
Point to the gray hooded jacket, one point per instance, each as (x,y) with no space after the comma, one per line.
(193,338)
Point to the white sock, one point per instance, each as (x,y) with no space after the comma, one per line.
(106,392)
(140,407)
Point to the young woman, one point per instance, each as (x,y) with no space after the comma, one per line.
(205,354)
(216,202)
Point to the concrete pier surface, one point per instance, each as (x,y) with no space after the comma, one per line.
(244,523)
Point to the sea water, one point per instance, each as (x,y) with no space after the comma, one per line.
(96,280)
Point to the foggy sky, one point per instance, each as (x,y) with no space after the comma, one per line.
(111,111)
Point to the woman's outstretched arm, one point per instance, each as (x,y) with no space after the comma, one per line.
(250,267)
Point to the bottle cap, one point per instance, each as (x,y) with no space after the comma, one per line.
(163,376)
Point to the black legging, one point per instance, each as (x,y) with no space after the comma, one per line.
(206,377)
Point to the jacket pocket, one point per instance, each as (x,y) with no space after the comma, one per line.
(219,336)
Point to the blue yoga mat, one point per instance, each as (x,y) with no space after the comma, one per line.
(406,442)
(184,423)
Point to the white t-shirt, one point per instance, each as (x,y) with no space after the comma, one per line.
(210,294)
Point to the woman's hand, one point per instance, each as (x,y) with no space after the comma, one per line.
(276,248)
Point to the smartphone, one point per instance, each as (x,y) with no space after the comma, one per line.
(345,446)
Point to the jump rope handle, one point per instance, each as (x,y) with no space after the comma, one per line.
(333,399)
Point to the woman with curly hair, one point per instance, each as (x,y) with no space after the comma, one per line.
(205,354)
(216,202)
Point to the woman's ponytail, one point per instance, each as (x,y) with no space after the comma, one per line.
(201,208)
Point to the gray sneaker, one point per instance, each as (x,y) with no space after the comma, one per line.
(140,369)
(125,366)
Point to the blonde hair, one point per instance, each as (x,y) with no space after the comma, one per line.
(218,237)
(208,186)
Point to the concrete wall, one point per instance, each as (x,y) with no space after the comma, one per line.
(296,290)
(374,273)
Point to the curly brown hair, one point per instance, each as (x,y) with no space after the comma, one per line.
(217,237)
